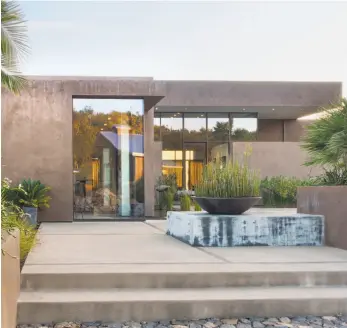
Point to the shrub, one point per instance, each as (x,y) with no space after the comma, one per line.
(185,202)
(227,180)
(12,217)
(166,198)
(197,207)
(169,200)
(281,191)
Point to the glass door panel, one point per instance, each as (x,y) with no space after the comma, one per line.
(195,159)
(108,158)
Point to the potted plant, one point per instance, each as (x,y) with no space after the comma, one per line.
(32,196)
(227,188)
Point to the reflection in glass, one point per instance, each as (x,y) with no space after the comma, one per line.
(218,151)
(171,136)
(195,127)
(244,127)
(157,127)
(218,126)
(108,158)
(195,159)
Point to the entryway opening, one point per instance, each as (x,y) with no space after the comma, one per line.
(108,159)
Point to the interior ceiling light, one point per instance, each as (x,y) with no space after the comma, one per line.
(102,129)
(105,124)
(109,118)
(273,108)
(243,108)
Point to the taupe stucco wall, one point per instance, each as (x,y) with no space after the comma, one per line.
(276,158)
(248,93)
(281,130)
(37,133)
(329,201)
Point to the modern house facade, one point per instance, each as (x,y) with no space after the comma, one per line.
(107,160)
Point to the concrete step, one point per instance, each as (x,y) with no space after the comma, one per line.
(114,305)
(206,275)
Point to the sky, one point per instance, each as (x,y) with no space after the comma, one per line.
(291,41)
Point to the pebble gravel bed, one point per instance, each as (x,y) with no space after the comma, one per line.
(338,321)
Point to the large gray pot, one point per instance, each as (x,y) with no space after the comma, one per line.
(236,205)
(32,214)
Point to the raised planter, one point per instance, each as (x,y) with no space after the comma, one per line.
(233,206)
(330,201)
(10,277)
(263,229)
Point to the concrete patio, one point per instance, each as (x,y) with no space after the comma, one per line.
(77,267)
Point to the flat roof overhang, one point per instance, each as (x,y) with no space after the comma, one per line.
(270,100)
(262,112)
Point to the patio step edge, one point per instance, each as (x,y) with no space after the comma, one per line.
(258,277)
(161,304)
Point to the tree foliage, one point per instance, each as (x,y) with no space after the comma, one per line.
(14,45)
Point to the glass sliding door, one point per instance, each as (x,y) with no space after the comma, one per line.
(108,153)
(195,159)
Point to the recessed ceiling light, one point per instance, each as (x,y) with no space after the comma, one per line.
(273,108)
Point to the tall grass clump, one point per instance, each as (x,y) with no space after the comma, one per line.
(185,202)
(227,180)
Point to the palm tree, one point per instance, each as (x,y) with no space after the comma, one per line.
(14,45)
(326,138)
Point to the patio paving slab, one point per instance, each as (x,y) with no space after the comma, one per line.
(266,254)
(114,248)
(97,228)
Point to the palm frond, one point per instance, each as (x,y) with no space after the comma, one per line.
(14,45)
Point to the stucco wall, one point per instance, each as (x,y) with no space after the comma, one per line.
(248,93)
(10,278)
(329,201)
(37,133)
(281,130)
(276,158)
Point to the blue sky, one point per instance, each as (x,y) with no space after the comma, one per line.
(302,41)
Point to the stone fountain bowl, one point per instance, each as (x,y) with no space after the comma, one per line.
(235,206)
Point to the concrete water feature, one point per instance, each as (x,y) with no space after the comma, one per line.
(121,271)
(253,228)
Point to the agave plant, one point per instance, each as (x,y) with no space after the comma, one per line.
(33,193)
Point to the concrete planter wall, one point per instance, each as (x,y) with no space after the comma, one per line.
(10,278)
(330,201)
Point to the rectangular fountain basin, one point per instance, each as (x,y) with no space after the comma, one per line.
(263,229)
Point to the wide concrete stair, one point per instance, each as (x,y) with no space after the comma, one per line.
(149,292)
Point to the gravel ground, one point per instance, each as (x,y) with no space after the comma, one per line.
(283,322)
